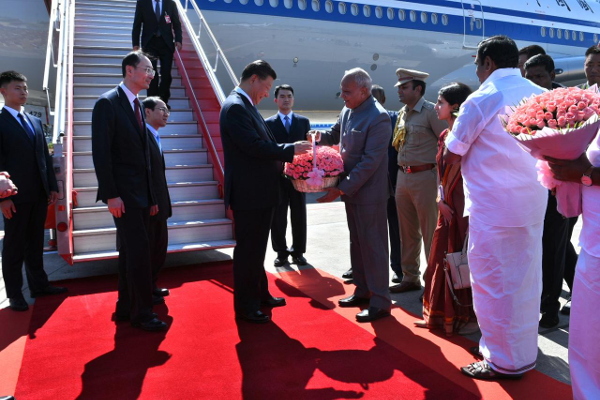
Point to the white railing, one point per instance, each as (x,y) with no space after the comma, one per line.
(195,36)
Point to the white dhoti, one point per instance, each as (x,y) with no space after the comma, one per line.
(584,329)
(506,277)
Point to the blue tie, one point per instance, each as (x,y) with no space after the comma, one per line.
(287,124)
(157,10)
(27,128)
(157,137)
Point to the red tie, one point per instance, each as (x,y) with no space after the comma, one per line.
(138,114)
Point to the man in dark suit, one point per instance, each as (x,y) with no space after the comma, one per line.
(288,127)
(121,152)
(25,158)
(160,21)
(157,115)
(253,165)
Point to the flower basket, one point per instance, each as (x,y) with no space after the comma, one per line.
(316,171)
(559,124)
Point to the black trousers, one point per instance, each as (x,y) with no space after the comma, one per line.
(250,284)
(394,234)
(554,248)
(296,201)
(159,240)
(135,273)
(24,243)
(158,48)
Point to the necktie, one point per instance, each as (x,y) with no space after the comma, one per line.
(157,137)
(157,10)
(138,114)
(27,128)
(287,124)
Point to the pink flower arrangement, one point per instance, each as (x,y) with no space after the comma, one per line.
(559,109)
(328,160)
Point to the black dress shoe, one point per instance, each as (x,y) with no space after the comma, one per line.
(280,261)
(152,325)
(256,317)
(405,287)
(566,309)
(347,274)
(371,314)
(49,290)
(396,278)
(299,260)
(157,299)
(18,304)
(274,302)
(7,398)
(549,320)
(163,292)
(353,301)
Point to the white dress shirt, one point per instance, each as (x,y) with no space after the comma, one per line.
(16,113)
(241,91)
(500,178)
(130,96)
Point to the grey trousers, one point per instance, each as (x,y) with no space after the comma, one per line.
(369,252)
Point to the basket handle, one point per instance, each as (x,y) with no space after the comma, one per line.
(314,148)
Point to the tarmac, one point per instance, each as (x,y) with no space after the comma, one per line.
(327,250)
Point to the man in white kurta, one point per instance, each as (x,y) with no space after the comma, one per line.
(506,207)
(584,326)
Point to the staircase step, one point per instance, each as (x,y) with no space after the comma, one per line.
(193,210)
(86,10)
(104,239)
(84,160)
(177,115)
(90,89)
(109,41)
(84,128)
(183,191)
(86,178)
(172,248)
(103,50)
(90,101)
(168,142)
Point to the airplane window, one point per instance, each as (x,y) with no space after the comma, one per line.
(288,3)
(551,32)
(274,3)
(227,1)
(354,9)
(378,12)
(574,35)
(259,2)
(444,19)
(390,13)
(478,23)
(543,31)
(413,16)
(401,15)
(424,17)
(367,10)
(434,18)
(316,6)
(329,6)
(342,8)
(566,34)
(301,4)
(581,36)
(595,38)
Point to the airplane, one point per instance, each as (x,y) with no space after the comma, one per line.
(310,43)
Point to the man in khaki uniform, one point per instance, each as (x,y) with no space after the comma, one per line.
(416,138)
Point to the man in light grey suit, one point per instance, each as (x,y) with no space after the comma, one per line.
(363,131)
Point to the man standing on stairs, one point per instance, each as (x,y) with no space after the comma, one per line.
(24,157)
(121,153)
(156,118)
(253,165)
(288,127)
(160,21)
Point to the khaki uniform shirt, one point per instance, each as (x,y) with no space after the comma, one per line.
(423,128)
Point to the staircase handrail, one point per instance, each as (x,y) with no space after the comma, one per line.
(220,56)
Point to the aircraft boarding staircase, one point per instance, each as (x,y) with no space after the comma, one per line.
(102,36)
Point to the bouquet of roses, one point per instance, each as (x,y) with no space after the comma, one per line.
(561,124)
(308,176)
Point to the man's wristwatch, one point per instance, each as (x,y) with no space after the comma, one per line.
(586,178)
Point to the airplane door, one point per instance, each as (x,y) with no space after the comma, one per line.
(474,23)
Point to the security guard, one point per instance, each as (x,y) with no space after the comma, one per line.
(416,137)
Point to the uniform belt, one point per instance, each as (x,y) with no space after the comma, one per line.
(411,169)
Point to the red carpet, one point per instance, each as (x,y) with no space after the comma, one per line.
(311,351)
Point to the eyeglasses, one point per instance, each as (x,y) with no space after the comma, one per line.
(148,70)
(164,110)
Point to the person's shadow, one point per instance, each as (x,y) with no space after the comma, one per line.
(125,366)
(291,280)
(276,366)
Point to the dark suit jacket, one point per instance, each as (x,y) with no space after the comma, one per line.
(253,160)
(159,180)
(29,165)
(392,152)
(298,128)
(144,15)
(121,151)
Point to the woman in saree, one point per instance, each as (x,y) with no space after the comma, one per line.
(443,308)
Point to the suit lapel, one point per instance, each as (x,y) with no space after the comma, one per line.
(124,101)
(17,125)
(258,117)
